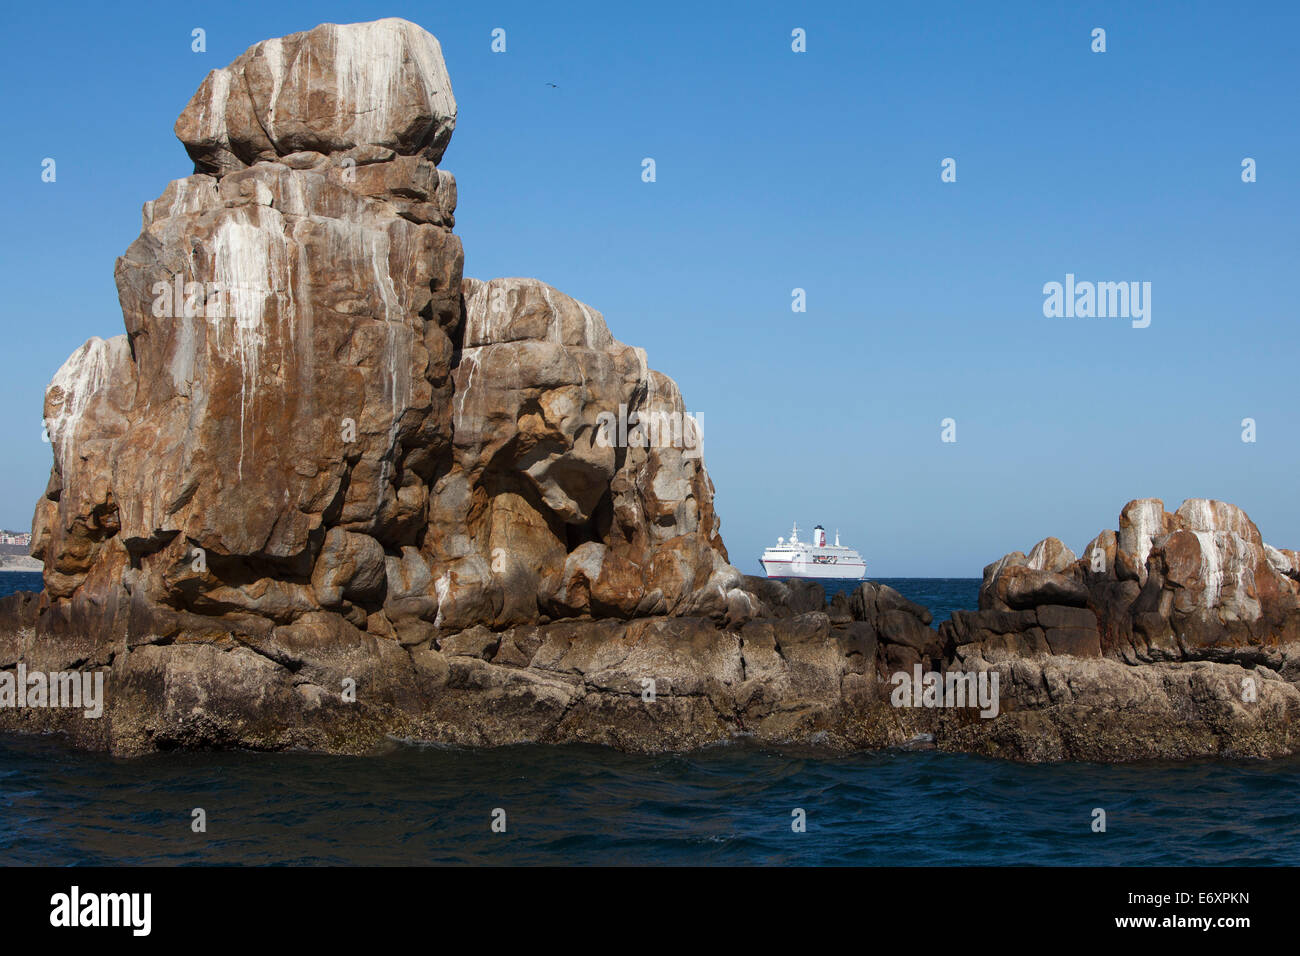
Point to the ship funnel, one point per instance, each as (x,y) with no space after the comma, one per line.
(819,536)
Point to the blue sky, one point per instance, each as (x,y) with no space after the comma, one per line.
(778,170)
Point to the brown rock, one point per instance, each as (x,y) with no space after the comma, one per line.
(1024,587)
(380,84)
(1075,641)
(1056,615)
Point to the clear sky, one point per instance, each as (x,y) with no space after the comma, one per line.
(779,170)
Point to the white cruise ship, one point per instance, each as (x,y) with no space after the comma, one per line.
(796,559)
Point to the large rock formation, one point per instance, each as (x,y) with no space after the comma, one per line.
(326,491)
(315,434)
(1177,635)
(312,413)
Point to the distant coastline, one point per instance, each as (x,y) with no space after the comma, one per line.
(19,563)
(15,552)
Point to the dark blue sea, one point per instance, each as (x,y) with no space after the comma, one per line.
(729,804)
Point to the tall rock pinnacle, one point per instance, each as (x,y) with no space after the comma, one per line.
(313,421)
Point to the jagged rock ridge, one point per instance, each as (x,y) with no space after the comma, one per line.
(1178,634)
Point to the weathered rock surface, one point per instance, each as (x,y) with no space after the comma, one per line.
(647,684)
(332,89)
(316,434)
(309,396)
(541,508)
(1177,635)
(326,491)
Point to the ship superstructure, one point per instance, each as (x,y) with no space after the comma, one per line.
(815,559)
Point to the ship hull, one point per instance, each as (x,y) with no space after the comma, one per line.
(810,569)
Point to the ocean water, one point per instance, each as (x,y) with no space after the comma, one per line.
(728,804)
(12,581)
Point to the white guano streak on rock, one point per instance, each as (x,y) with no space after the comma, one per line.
(426,51)
(1150,522)
(588,326)
(1279,561)
(244,265)
(1224,558)
(273,52)
(303,303)
(181,197)
(181,365)
(1038,557)
(298,205)
(184,351)
(558,336)
(441,587)
(213,124)
(643,362)
(399,367)
(78,379)
(368,60)
(477,329)
(476,325)
(1199,514)
(478,321)
(1225,564)
(1211,567)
